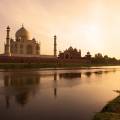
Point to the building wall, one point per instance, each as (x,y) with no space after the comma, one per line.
(70,54)
(28,59)
(26,48)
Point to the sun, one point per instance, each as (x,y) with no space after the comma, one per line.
(94,37)
(89,34)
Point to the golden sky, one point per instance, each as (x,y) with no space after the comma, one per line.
(89,25)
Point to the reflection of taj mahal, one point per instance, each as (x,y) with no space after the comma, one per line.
(22,45)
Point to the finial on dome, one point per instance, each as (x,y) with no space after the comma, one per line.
(8,27)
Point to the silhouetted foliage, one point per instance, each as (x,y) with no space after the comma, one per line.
(100,59)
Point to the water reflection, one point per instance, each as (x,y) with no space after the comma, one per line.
(88,74)
(70,75)
(21,86)
(55,85)
(98,72)
(24,85)
(54,94)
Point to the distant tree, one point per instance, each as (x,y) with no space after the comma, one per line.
(106,57)
(114,59)
(98,55)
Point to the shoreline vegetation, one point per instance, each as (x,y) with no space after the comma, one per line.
(15,62)
(110,112)
(49,65)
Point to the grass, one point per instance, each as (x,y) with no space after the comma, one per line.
(110,112)
(47,65)
(107,116)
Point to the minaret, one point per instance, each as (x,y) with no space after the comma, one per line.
(7,46)
(55,46)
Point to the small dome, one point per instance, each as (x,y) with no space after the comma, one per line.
(22,33)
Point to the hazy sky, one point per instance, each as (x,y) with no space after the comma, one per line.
(89,25)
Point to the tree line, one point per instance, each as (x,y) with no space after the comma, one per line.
(100,59)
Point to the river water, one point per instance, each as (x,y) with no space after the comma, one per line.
(66,94)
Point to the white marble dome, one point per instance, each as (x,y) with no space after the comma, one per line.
(22,33)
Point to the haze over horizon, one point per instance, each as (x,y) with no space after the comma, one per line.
(89,25)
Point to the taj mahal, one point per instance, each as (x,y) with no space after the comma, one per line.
(22,46)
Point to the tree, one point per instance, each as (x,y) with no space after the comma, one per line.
(98,55)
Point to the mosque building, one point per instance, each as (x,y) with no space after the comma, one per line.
(70,54)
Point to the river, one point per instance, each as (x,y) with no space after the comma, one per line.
(56,94)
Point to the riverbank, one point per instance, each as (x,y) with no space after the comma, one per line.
(110,112)
(48,65)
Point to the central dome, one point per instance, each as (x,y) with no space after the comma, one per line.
(22,33)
